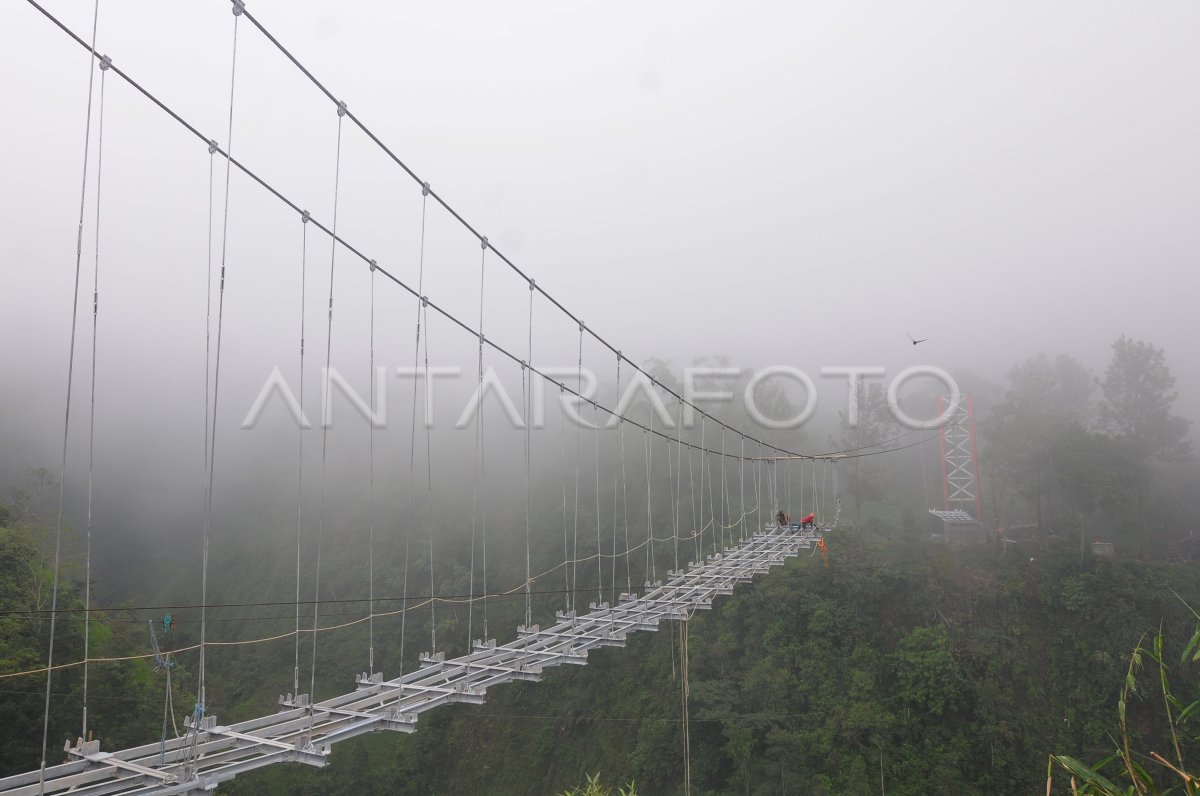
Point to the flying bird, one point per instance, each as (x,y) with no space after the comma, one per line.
(914,340)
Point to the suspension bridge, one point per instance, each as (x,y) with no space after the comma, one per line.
(731,542)
(302,733)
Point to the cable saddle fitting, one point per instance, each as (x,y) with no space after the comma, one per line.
(304,217)
(239,7)
(532,285)
(342,108)
(374,265)
(105,63)
(483,243)
(212,146)
(425,189)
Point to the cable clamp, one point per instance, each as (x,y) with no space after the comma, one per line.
(582,326)
(532,285)
(305,217)
(482,339)
(212,146)
(374,265)
(524,365)
(342,108)
(105,63)
(239,6)
(425,189)
(424,301)
(620,356)
(483,243)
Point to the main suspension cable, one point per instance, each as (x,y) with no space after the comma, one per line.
(471,229)
(428,303)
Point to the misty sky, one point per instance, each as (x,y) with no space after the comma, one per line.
(794,183)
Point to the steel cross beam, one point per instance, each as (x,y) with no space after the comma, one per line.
(304,733)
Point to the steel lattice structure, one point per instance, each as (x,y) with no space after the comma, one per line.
(960,459)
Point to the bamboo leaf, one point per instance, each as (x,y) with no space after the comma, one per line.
(1141,773)
(1192,646)
(1185,604)
(1087,774)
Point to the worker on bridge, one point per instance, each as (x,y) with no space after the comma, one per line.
(781,519)
(809,520)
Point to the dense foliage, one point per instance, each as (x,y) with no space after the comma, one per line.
(933,672)
(125,701)
(905,666)
(1082,454)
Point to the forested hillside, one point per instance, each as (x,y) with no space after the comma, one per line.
(937,673)
(125,698)
(931,671)
(905,666)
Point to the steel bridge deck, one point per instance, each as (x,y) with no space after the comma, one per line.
(304,733)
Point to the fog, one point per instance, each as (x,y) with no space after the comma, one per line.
(797,184)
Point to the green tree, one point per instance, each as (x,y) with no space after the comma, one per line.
(1095,478)
(873,425)
(124,699)
(926,673)
(1045,399)
(1138,395)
